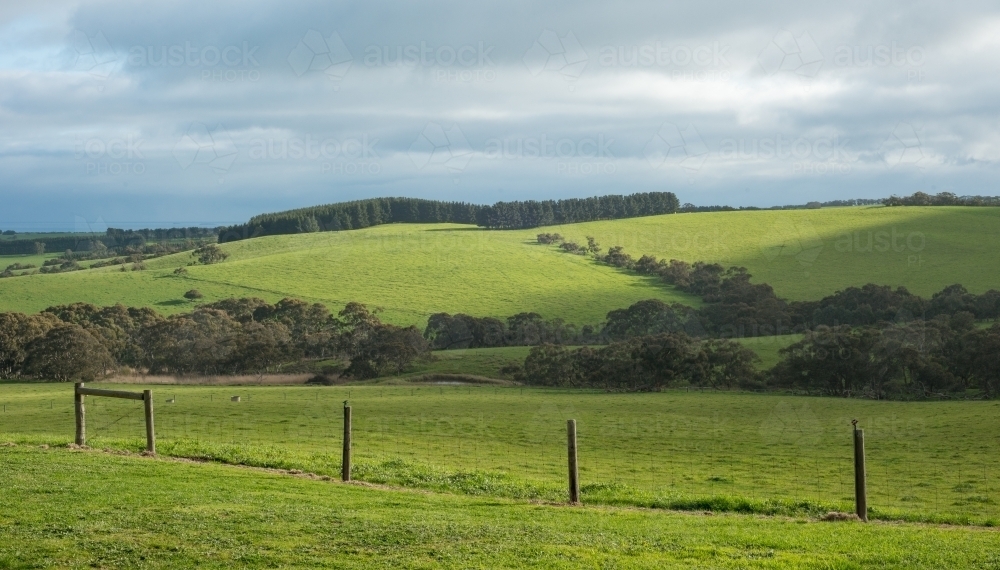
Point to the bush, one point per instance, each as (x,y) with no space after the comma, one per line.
(209,254)
(193,294)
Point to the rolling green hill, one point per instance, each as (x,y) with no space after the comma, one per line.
(414,270)
(806,254)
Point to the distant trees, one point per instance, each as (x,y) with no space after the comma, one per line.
(649,362)
(530,213)
(502,215)
(233,336)
(39,248)
(941,199)
(446,331)
(67,352)
(915,359)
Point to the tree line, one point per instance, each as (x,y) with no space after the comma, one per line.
(651,362)
(735,307)
(236,336)
(941,199)
(502,215)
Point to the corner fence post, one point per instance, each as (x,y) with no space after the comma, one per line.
(147,400)
(81,420)
(346,465)
(574,474)
(860,484)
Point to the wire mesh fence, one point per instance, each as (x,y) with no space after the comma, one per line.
(647,449)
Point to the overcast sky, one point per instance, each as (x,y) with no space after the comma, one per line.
(204,113)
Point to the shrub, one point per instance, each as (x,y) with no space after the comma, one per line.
(210,253)
(193,294)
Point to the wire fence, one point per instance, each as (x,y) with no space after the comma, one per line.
(631,450)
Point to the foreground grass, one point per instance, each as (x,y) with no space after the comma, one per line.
(77,509)
(413,270)
(931,461)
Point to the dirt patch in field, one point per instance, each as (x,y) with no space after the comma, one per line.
(457,380)
(220,380)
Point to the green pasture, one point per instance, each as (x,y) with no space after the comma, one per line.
(414,270)
(411,271)
(476,361)
(806,254)
(90,509)
(763,453)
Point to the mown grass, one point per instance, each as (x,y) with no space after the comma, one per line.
(415,270)
(930,461)
(79,509)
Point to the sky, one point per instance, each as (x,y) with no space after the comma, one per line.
(181,113)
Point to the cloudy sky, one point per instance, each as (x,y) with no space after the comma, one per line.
(203,113)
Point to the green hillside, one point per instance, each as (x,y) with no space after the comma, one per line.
(806,254)
(413,270)
(409,270)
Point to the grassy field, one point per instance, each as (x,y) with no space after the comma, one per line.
(476,361)
(415,270)
(409,270)
(806,254)
(90,509)
(929,461)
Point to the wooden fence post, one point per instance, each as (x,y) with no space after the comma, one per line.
(860,486)
(346,466)
(574,474)
(81,420)
(147,397)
